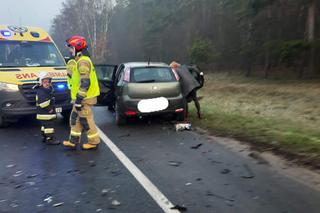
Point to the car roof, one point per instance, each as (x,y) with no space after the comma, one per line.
(145,64)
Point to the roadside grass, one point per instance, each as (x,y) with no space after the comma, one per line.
(284,115)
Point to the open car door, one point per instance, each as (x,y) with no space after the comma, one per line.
(106,75)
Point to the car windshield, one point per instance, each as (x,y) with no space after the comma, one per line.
(29,54)
(152,74)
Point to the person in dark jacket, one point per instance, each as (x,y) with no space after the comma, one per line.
(46,112)
(191,80)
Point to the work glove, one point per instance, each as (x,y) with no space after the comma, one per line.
(77,103)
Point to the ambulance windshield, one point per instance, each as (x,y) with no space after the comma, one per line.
(29,54)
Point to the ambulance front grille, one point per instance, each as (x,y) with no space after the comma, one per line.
(30,94)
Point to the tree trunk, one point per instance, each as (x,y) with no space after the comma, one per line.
(249,57)
(310,33)
(267,51)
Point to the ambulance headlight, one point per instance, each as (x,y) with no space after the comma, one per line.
(8,87)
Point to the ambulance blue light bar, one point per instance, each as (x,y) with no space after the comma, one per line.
(6,33)
(60,86)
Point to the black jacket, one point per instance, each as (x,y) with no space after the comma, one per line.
(45,100)
(190,79)
(195,71)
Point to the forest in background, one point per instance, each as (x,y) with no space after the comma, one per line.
(258,37)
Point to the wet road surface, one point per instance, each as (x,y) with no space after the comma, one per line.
(189,169)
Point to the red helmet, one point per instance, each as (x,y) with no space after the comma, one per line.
(78,42)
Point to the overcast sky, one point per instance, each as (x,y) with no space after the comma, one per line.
(38,13)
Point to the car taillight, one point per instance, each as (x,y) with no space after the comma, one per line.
(126,77)
(176,75)
(130,113)
(179,110)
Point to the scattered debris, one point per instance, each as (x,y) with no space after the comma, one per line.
(249,173)
(115,173)
(124,135)
(32,176)
(209,193)
(31,183)
(182,126)
(229,203)
(225,171)
(11,166)
(115,203)
(175,163)
(18,173)
(58,204)
(48,199)
(104,192)
(180,208)
(18,186)
(92,163)
(14,205)
(216,162)
(196,146)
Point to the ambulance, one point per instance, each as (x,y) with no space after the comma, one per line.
(24,53)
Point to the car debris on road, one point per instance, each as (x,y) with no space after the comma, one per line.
(182,126)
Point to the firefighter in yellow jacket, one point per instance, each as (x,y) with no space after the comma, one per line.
(84,91)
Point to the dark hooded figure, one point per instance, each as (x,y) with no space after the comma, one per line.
(191,80)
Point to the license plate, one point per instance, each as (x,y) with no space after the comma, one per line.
(153,105)
(59,109)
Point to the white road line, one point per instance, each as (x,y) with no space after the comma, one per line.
(153,191)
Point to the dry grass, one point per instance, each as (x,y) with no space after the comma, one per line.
(285,114)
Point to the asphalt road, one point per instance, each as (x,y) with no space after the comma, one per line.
(35,177)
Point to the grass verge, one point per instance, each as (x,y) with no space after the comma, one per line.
(282,115)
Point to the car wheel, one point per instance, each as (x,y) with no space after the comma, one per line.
(66,114)
(120,119)
(3,123)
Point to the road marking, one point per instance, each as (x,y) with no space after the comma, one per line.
(153,191)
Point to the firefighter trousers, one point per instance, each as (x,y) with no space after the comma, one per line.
(47,128)
(82,121)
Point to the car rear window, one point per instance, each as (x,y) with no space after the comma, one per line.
(151,74)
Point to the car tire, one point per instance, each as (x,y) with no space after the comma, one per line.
(66,114)
(3,123)
(120,119)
